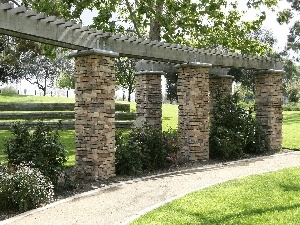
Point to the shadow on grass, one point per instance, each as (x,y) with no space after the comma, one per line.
(167,118)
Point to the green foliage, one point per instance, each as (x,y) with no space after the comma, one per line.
(293,90)
(23,187)
(125,74)
(66,81)
(171,79)
(234,131)
(292,106)
(285,16)
(40,146)
(8,91)
(144,149)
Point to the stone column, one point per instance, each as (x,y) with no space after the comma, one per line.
(193,118)
(148,98)
(268,105)
(95,113)
(222,83)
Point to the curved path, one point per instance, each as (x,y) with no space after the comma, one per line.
(120,203)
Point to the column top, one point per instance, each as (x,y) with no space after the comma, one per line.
(271,71)
(215,76)
(146,72)
(94,52)
(193,64)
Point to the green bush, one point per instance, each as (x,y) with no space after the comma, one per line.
(144,149)
(292,106)
(23,188)
(40,146)
(234,131)
(9,91)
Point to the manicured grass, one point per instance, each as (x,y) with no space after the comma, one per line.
(30,98)
(272,198)
(291,130)
(169,115)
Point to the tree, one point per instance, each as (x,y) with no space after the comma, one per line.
(293,39)
(66,78)
(171,79)
(291,80)
(125,75)
(202,24)
(293,90)
(38,71)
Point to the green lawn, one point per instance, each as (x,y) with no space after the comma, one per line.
(29,98)
(291,130)
(272,198)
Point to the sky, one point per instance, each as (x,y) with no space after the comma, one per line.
(280,32)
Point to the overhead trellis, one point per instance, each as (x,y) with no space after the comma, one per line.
(39,27)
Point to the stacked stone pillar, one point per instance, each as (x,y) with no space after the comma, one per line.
(193,118)
(148,98)
(95,113)
(221,84)
(268,105)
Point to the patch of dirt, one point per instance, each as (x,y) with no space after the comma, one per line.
(69,186)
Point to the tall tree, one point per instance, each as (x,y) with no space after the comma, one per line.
(40,70)
(125,75)
(293,39)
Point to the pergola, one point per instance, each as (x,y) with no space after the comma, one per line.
(201,71)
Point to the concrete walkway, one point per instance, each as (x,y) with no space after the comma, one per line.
(121,203)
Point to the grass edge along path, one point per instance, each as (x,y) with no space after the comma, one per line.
(269,198)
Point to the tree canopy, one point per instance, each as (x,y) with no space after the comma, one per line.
(201,24)
(285,16)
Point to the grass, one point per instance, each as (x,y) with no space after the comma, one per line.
(291,130)
(29,98)
(272,198)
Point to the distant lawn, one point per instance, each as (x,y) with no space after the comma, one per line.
(272,198)
(30,98)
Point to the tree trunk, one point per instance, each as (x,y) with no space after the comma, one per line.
(155,27)
(129,93)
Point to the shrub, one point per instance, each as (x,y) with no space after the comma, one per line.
(144,149)
(40,146)
(234,131)
(292,106)
(23,188)
(9,91)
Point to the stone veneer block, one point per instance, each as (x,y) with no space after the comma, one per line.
(95,114)
(148,98)
(193,118)
(268,105)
